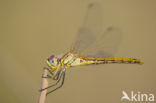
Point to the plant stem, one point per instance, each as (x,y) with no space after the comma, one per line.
(44,84)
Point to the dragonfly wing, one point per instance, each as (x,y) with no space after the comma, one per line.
(92,25)
(91,41)
(105,45)
(93,19)
(84,39)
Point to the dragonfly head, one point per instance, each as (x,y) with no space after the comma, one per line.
(52,62)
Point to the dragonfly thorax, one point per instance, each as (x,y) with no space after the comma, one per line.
(68,58)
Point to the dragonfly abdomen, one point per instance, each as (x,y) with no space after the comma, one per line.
(114,60)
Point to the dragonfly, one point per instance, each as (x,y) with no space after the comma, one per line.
(92,46)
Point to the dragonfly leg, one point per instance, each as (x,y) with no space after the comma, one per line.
(58,80)
(49,70)
(57,75)
(62,77)
(48,76)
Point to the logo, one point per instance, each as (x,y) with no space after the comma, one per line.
(137,96)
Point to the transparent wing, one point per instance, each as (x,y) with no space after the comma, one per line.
(90,41)
(105,45)
(92,25)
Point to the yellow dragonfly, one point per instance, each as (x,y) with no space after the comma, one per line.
(89,48)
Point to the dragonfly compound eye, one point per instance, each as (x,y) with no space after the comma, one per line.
(52,60)
(51,57)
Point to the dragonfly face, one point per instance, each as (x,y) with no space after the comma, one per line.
(52,62)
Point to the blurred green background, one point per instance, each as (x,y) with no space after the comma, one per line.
(32,30)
